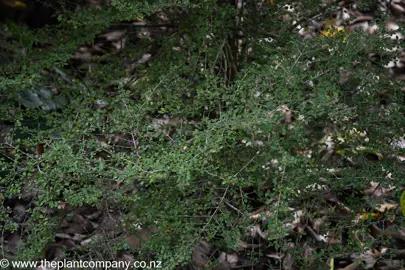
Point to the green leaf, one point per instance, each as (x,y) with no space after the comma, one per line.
(402,202)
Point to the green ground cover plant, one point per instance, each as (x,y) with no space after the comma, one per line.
(201,132)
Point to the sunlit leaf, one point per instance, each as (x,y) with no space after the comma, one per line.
(402,202)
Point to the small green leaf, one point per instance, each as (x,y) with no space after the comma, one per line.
(402,202)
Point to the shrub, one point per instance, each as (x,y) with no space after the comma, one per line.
(200,135)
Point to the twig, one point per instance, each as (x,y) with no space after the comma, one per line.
(234,208)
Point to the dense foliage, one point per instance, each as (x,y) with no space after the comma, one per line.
(192,128)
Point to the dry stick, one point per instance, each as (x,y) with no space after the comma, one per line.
(10,158)
(232,60)
(174,142)
(234,208)
(225,68)
(312,233)
(299,56)
(220,51)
